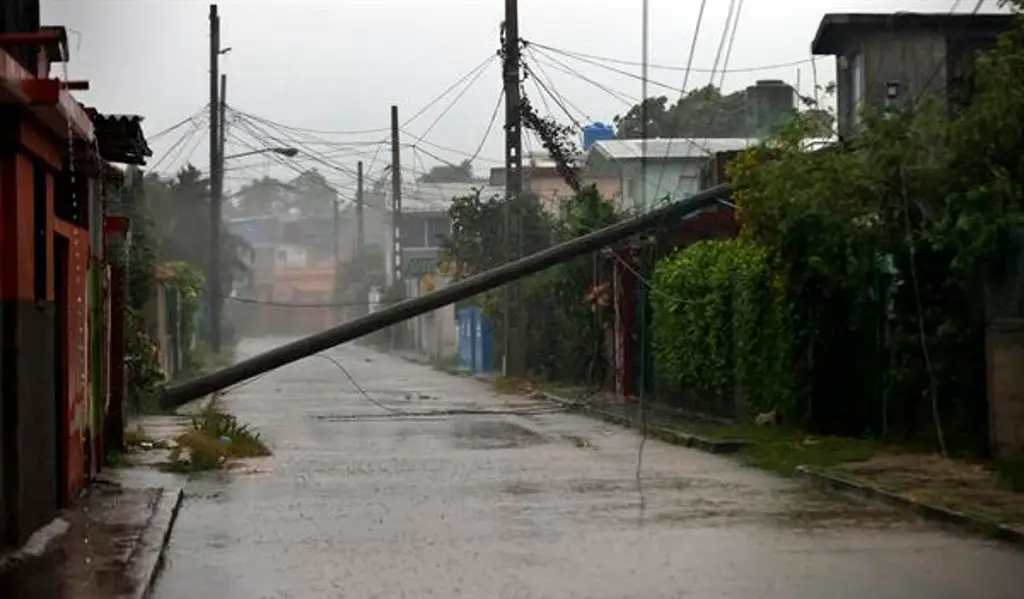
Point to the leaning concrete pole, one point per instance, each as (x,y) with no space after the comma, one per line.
(292,352)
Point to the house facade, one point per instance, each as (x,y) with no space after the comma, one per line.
(893,60)
(61,295)
(670,171)
(542,178)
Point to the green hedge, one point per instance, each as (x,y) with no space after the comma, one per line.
(722,324)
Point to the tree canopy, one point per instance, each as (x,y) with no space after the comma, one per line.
(449,173)
(704,112)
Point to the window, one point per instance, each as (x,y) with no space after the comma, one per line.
(438,229)
(857,84)
(632,194)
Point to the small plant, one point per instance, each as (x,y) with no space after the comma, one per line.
(215,437)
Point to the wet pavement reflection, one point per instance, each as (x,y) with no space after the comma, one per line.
(418,494)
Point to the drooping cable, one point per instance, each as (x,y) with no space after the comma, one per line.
(732,41)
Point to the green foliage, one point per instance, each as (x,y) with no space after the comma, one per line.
(703,112)
(188,283)
(720,324)
(881,249)
(565,331)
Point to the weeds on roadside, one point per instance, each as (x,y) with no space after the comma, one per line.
(214,438)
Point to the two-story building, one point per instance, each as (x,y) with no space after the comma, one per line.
(895,60)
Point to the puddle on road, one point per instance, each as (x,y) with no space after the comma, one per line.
(493,434)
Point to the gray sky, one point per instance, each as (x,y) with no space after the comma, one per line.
(339,64)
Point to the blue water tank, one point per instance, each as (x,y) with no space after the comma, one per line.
(596,132)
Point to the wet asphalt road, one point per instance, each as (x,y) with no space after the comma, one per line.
(359,503)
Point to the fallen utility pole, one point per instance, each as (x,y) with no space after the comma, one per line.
(292,352)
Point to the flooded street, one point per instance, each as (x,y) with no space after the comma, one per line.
(409,490)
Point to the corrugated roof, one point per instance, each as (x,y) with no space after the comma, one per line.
(120,137)
(667,149)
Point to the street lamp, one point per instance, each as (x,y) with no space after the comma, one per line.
(286,152)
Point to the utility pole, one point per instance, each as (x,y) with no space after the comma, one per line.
(513,361)
(223,120)
(178,394)
(396,198)
(360,231)
(396,214)
(213,290)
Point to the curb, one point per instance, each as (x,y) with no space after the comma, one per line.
(716,446)
(156,539)
(977,524)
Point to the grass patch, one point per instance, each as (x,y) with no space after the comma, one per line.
(510,385)
(781,449)
(214,438)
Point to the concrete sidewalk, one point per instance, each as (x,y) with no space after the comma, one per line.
(109,546)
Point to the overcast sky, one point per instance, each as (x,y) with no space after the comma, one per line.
(338,65)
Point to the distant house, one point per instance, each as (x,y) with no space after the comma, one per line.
(425,223)
(542,178)
(885,60)
(672,168)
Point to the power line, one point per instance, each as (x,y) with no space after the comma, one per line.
(732,40)
(480,67)
(181,142)
(383,129)
(451,104)
(686,76)
(723,40)
(632,63)
(179,124)
(490,125)
(562,67)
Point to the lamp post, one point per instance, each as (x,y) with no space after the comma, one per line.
(286,152)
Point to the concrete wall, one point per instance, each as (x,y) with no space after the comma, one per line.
(673,178)
(914,59)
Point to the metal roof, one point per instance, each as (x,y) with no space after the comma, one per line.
(836,27)
(120,137)
(667,149)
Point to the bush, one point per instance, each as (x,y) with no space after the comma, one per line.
(722,327)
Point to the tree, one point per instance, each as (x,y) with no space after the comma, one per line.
(703,112)
(181,216)
(450,173)
(312,194)
(259,197)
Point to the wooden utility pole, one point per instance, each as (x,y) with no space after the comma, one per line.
(396,199)
(360,231)
(213,288)
(514,350)
(397,280)
(222,138)
(583,245)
